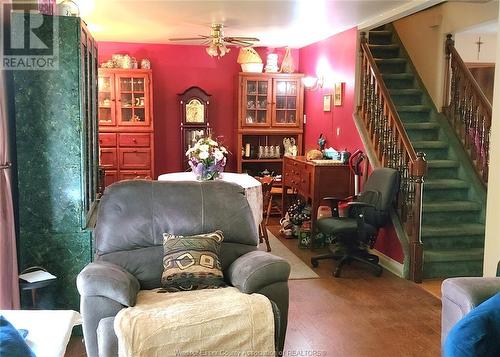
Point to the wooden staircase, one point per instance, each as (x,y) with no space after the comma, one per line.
(452,224)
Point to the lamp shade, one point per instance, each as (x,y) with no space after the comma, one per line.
(248,55)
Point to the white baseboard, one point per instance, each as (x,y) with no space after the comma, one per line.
(389,263)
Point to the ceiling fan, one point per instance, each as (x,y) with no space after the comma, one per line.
(216,41)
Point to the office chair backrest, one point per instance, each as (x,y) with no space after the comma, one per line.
(380,190)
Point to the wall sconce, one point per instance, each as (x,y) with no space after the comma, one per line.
(313,83)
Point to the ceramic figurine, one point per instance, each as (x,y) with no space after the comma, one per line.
(145,64)
(321,142)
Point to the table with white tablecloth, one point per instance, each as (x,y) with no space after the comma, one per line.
(252,187)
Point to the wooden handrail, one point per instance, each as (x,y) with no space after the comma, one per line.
(394,149)
(467,109)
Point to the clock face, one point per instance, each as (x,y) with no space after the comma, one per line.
(195,111)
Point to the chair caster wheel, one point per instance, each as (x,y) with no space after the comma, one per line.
(314,263)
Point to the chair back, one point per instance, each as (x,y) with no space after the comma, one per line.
(379,190)
(267,185)
(134,214)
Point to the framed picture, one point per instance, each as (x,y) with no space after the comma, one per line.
(337,94)
(327,100)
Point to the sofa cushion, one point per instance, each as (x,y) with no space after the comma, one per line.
(11,342)
(192,262)
(478,333)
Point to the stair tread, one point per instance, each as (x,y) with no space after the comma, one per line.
(453,255)
(440,230)
(413,108)
(398,75)
(430,144)
(425,126)
(434,184)
(391,60)
(380,32)
(451,206)
(405,91)
(391,46)
(442,163)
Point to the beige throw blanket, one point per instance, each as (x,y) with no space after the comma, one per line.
(211,322)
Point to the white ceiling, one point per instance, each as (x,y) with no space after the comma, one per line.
(275,22)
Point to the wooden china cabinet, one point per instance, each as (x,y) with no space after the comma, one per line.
(270,108)
(126,137)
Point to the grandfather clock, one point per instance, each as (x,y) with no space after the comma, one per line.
(194,104)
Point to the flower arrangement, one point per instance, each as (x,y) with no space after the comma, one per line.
(207,159)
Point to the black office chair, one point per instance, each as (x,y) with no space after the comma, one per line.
(367,212)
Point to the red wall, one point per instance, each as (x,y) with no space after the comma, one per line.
(339,53)
(176,68)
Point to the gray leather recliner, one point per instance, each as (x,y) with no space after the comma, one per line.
(461,295)
(132,217)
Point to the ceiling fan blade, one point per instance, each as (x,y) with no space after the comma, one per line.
(241,38)
(239,42)
(189,38)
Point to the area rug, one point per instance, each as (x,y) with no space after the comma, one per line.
(299,269)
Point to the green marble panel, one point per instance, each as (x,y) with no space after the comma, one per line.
(64,255)
(50,172)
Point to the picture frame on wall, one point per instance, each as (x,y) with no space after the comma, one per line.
(327,101)
(337,94)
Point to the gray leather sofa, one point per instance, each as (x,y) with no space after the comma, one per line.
(132,217)
(460,295)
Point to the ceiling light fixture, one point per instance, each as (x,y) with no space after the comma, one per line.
(217,48)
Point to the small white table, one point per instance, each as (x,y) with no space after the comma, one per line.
(252,187)
(49,331)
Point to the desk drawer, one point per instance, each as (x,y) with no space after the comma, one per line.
(107,158)
(134,140)
(139,159)
(135,175)
(107,140)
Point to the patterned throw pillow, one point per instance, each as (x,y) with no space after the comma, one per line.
(192,262)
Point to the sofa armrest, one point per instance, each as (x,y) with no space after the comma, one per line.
(460,295)
(108,280)
(255,270)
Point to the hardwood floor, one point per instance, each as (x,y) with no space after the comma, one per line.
(356,315)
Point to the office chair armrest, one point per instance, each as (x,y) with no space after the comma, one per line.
(253,271)
(108,280)
(334,203)
(360,204)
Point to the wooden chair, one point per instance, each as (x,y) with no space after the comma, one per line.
(267,185)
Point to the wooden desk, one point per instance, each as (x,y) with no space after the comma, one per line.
(313,182)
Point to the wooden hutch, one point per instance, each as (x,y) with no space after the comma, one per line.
(270,108)
(126,137)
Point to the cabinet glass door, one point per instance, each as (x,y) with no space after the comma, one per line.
(286,99)
(106,100)
(257,102)
(132,100)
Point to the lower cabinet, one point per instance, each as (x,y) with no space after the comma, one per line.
(126,156)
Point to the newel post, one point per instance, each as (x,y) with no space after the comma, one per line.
(449,43)
(418,171)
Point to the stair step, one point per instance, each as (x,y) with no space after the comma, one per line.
(453,255)
(433,149)
(451,206)
(391,65)
(442,164)
(404,97)
(422,131)
(452,262)
(413,108)
(442,169)
(453,230)
(454,236)
(414,113)
(398,80)
(384,51)
(445,190)
(443,184)
(382,37)
(449,212)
